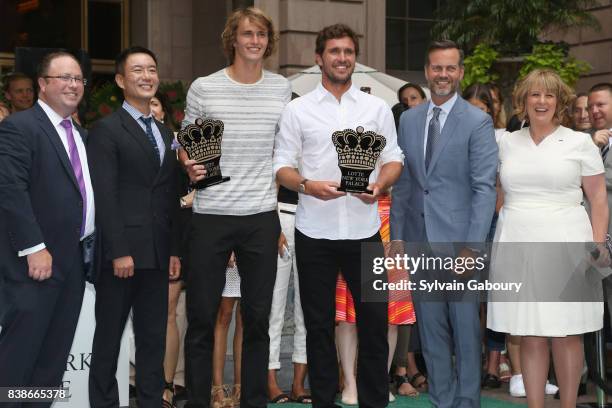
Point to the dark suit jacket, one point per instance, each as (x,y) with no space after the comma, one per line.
(137,201)
(39,195)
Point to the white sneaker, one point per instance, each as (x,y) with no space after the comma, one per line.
(517,388)
(391,397)
(550,389)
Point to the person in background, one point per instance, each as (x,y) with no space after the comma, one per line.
(600,114)
(287,266)
(580,113)
(498,106)
(409,96)
(4,111)
(19,91)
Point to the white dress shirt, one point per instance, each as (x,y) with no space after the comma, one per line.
(56,120)
(445,110)
(304,141)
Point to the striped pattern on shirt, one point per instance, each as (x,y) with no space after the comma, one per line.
(250,113)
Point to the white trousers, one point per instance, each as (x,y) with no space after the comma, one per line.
(279,299)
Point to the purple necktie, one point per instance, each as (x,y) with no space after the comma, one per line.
(76,166)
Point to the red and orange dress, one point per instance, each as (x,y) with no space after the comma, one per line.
(400,311)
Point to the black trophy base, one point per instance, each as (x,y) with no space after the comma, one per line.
(210,181)
(355,180)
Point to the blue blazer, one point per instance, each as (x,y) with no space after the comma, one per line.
(39,196)
(454,200)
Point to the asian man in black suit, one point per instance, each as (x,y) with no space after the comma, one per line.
(134,176)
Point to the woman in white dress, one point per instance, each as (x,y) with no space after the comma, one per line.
(544,170)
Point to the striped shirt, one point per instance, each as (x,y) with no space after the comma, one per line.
(250,114)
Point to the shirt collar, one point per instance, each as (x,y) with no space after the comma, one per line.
(322,93)
(446,106)
(135,113)
(53,116)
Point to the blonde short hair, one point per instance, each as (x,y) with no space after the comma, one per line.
(256,16)
(549,81)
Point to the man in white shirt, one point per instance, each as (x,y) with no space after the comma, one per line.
(332,225)
(46,213)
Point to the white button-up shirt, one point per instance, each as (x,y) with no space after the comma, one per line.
(304,141)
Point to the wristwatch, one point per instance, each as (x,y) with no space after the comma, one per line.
(302,186)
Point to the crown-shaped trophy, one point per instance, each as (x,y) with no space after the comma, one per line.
(358,152)
(202,142)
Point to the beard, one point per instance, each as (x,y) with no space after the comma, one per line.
(335,79)
(435,88)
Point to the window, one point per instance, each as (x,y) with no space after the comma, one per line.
(98,26)
(408,26)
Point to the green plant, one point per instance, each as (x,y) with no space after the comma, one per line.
(552,56)
(478,66)
(512,26)
(104,100)
(107,98)
(176,94)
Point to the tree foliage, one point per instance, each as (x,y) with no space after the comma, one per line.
(512,26)
(552,56)
(478,66)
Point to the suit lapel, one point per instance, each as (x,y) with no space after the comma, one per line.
(51,133)
(449,128)
(167,137)
(136,132)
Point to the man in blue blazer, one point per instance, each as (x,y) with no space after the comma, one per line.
(46,214)
(446,194)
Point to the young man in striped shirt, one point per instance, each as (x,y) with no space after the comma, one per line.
(238,215)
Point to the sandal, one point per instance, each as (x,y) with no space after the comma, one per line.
(236,392)
(168,404)
(401,380)
(218,398)
(302,399)
(280,399)
(419,385)
(504,372)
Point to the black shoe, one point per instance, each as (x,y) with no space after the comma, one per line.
(490,381)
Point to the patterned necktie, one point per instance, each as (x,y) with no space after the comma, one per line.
(147,122)
(433,135)
(75,160)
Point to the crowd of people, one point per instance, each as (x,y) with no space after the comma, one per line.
(117,205)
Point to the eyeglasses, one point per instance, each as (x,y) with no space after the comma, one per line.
(67,79)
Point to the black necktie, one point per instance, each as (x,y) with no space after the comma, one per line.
(150,136)
(433,135)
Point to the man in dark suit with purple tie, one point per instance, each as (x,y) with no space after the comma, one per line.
(46,216)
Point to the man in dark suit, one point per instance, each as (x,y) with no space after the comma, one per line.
(134,175)
(446,194)
(46,211)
